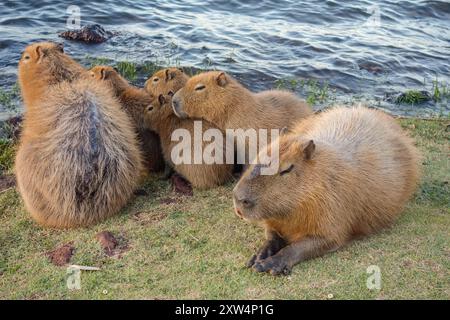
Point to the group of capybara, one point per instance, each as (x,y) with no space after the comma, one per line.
(90,138)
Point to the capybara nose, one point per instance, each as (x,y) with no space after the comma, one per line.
(177,107)
(243,201)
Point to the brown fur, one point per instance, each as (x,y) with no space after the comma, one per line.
(78,160)
(353,172)
(224,101)
(162,120)
(134,101)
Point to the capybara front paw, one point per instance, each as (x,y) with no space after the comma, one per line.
(251,262)
(273,265)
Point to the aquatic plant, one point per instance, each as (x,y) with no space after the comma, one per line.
(127,69)
(413,97)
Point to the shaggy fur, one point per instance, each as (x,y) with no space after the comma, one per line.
(160,118)
(343,173)
(134,101)
(78,160)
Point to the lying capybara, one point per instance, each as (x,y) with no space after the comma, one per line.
(134,101)
(343,173)
(161,118)
(218,98)
(78,161)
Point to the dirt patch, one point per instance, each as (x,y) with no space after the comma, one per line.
(61,256)
(145,218)
(168,201)
(112,245)
(7,181)
(181,186)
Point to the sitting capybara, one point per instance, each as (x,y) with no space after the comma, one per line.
(78,160)
(134,101)
(343,173)
(161,118)
(218,98)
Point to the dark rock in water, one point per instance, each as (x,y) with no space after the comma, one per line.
(93,33)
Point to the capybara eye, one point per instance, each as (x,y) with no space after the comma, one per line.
(155,79)
(200,87)
(27,57)
(287,170)
(150,108)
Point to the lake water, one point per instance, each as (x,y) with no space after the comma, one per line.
(364,50)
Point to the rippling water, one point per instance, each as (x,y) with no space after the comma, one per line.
(340,42)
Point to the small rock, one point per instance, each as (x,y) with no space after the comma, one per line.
(93,33)
(181,185)
(61,255)
(370,67)
(107,241)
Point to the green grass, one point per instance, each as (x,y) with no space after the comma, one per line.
(196,247)
(412,97)
(314,91)
(7,153)
(9,99)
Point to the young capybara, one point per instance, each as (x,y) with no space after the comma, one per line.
(78,161)
(134,101)
(218,98)
(343,173)
(165,81)
(160,117)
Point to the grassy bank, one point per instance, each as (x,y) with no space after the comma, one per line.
(172,246)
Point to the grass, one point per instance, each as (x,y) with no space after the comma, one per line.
(314,91)
(196,248)
(412,97)
(9,99)
(7,154)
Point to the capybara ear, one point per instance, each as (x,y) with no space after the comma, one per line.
(39,53)
(170,93)
(222,79)
(60,47)
(309,149)
(284,131)
(170,75)
(161,100)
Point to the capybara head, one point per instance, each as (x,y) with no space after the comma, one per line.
(43,64)
(207,96)
(111,77)
(166,81)
(258,197)
(158,109)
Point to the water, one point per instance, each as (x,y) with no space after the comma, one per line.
(339,42)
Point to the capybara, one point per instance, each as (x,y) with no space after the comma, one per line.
(343,173)
(218,98)
(78,161)
(166,81)
(134,101)
(161,118)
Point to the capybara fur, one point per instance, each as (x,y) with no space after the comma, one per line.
(78,161)
(344,173)
(218,98)
(134,101)
(160,117)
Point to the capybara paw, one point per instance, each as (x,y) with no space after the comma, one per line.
(251,262)
(274,266)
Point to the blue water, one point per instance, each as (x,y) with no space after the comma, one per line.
(339,42)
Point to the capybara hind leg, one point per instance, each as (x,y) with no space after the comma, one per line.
(286,258)
(271,246)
